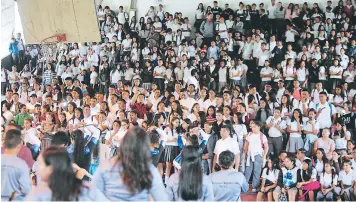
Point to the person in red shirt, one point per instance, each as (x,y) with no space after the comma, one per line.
(24,152)
(138,105)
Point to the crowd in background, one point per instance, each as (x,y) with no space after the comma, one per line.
(259,93)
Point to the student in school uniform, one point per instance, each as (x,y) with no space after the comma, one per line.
(269,177)
(55,168)
(226,143)
(346,181)
(190,183)
(256,149)
(117,182)
(276,127)
(228,183)
(15,178)
(328,184)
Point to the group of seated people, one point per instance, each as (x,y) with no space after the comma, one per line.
(273,84)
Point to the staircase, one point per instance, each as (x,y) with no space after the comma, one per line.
(248,196)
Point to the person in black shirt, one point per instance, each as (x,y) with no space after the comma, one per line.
(255,17)
(227,12)
(263,20)
(147,76)
(313,76)
(279,53)
(215,10)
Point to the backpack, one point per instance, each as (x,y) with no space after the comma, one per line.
(261,139)
(217,26)
(331,108)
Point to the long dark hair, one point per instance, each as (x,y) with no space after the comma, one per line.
(325,159)
(135,159)
(191,174)
(62,174)
(306,174)
(80,158)
(300,116)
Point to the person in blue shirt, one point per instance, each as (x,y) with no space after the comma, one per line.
(14,51)
(15,178)
(190,184)
(228,182)
(61,183)
(130,176)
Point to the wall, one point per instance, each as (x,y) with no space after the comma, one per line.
(75,18)
(7,25)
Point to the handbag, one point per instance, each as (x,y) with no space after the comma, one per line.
(282,198)
(309,187)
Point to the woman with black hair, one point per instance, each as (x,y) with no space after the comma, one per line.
(325,143)
(285,107)
(76,121)
(62,185)
(320,160)
(171,150)
(286,186)
(130,175)
(328,183)
(84,145)
(270,174)
(295,129)
(190,183)
(307,175)
(263,112)
(199,16)
(341,136)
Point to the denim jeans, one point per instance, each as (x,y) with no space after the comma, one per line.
(255,168)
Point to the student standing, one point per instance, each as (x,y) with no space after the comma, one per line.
(15,176)
(190,183)
(228,183)
(120,179)
(256,149)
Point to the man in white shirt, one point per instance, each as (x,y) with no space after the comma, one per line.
(266,74)
(185,101)
(290,34)
(155,100)
(158,74)
(349,74)
(122,16)
(226,143)
(280,91)
(305,104)
(127,43)
(276,127)
(326,112)
(262,55)
(221,28)
(211,101)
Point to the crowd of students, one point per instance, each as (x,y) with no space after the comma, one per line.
(236,94)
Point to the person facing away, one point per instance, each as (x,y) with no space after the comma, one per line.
(228,183)
(130,176)
(190,184)
(60,180)
(15,175)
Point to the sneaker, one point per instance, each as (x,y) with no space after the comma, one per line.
(254,191)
